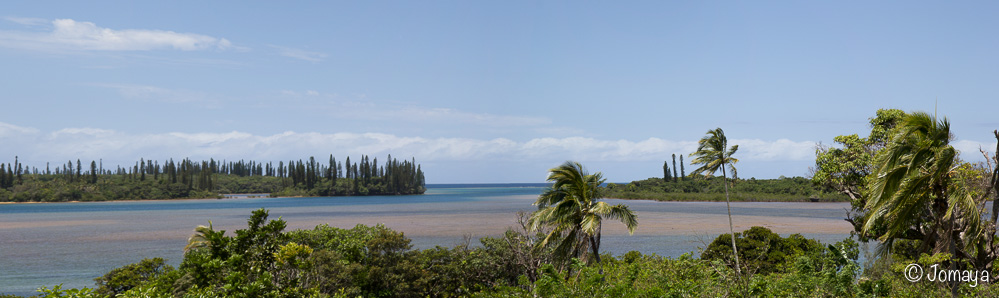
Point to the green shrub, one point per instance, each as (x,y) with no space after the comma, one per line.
(122,279)
(761,250)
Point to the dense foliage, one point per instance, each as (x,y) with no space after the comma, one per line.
(265,261)
(699,188)
(910,190)
(150,180)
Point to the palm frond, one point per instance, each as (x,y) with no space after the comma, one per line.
(623,213)
(590,224)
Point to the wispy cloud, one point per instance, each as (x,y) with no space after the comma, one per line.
(10,130)
(26,21)
(72,35)
(300,54)
(422,114)
(971,150)
(781,149)
(154,93)
(363,109)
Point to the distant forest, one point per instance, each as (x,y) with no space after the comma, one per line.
(150,180)
(675,186)
(699,188)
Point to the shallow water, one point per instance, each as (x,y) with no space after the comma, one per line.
(72,243)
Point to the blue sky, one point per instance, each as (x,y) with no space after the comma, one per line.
(483,91)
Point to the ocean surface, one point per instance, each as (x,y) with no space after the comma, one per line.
(73,243)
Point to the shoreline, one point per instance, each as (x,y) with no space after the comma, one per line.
(280,197)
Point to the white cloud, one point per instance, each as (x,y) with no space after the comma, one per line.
(71,35)
(624,158)
(93,143)
(300,54)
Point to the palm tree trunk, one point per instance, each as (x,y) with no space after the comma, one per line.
(995,182)
(731,228)
(953,252)
(596,251)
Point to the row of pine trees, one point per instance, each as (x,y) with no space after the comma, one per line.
(391,177)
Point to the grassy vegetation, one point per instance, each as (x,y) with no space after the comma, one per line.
(697,188)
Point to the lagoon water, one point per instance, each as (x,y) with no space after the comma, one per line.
(72,243)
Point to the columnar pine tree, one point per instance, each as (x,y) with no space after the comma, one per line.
(347,167)
(17,170)
(682,172)
(666,176)
(331,169)
(674,167)
(93,172)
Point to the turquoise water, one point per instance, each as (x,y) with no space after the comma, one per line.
(72,243)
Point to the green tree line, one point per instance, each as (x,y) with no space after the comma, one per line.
(149,179)
(700,188)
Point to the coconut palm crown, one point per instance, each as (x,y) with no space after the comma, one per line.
(571,208)
(711,154)
(910,193)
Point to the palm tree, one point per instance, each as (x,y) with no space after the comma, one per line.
(911,187)
(571,208)
(711,155)
(200,238)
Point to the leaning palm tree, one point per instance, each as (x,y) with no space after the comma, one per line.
(910,195)
(571,208)
(711,155)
